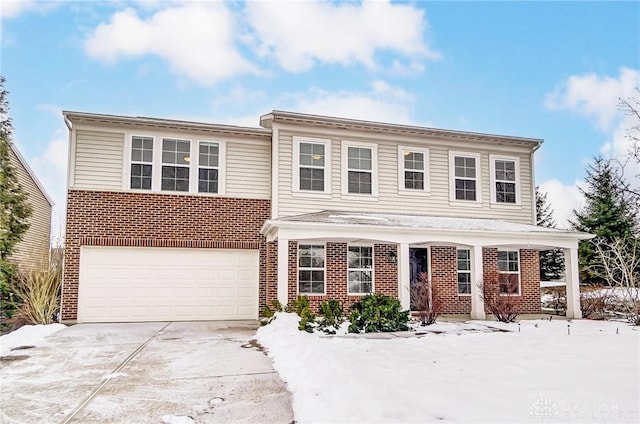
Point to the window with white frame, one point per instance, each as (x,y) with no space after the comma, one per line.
(360,269)
(208,167)
(505,180)
(176,160)
(464,271)
(311,269)
(509,271)
(141,163)
(312,166)
(465,177)
(360,169)
(413,165)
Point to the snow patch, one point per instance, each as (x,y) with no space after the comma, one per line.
(27,335)
(177,419)
(113,375)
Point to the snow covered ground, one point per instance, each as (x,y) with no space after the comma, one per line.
(27,335)
(536,372)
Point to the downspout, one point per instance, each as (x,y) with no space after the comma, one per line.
(70,128)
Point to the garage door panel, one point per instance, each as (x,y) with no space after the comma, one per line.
(147,284)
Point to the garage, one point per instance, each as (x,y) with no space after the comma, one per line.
(126,284)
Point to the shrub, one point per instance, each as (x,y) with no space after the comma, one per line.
(268,313)
(594,303)
(425,301)
(556,299)
(332,316)
(39,292)
(7,297)
(302,307)
(502,305)
(378,312)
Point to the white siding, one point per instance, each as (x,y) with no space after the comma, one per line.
(249,170)
(390,200)
(98,160)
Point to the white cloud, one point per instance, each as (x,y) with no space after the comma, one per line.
(10,9)
(196,39)
(597,98)
(51,168)
(383,103)
(563,199)
(298,34)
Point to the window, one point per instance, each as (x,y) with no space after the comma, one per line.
(360,271)
(413,169)
(464,271)
(208,167)
(176,158)
(311,269)
(509,271)
(465,170)
(312,160)
(505,180)
(359,169)
(141,162)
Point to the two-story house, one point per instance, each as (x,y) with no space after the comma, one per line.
(174,220)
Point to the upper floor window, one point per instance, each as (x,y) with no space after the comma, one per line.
(413,169)
(465,176)
(311,267)
(208,167)
(311,170)
(509,271)
(360,271)
(505,180)
(464,271)
(360,168)
(176,159)
(141,162)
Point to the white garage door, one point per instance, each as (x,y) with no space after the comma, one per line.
(123,284)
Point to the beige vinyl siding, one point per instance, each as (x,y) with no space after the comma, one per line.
(98,160)
(249,170)
(389,200)
(34,246)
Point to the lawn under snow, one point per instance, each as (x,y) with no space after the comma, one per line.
(27,335)
(467,373)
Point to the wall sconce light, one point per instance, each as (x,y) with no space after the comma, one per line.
(393,257)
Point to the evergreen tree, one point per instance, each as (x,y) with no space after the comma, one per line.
(551,261)
(608,214)
(16,209)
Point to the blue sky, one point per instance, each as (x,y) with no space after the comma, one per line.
(551,70)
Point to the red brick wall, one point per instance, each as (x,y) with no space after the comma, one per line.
(529,300)
(385,273)
(444,280)
(162,220)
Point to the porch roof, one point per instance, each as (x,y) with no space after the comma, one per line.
(416,228)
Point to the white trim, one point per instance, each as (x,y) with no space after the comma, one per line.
(519,293)
(324,268)
(426,190)
(573,282)
(372,269)
(295,169)
(493,179)
(283,270)
(452,179)
(404,276)
(222,165)
(477,271)
(275,172)
(345,144)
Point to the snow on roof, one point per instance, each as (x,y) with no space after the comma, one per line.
(424,222)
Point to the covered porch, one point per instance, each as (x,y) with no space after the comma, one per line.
(408,233)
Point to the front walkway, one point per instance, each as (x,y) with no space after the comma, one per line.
(145,372)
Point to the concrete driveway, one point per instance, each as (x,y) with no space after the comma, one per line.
(145,373)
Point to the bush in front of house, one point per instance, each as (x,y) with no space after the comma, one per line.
(378,313)
(499,295)
(332,313)
(302,307)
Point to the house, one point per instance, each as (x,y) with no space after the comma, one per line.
(175,220)
(34,246)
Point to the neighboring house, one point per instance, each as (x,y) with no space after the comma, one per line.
(34,246)
(173,220)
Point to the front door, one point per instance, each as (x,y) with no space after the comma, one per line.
(418,264)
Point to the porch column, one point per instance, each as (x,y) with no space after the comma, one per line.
(283,271)
(573,282)
(477,302)
(404,283)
